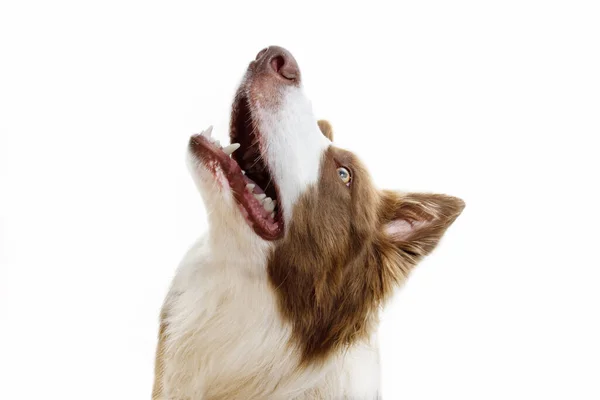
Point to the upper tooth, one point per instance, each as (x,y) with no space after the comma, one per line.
(273,215)
(243,172)
(231,148)
(260,196)
(250,187)
(207,132)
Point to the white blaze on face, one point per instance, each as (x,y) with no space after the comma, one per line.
(293,145)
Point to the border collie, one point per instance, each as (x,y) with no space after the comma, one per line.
(280,299)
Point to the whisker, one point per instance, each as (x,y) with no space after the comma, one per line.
(256,161)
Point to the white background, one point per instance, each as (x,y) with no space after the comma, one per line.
(495,102)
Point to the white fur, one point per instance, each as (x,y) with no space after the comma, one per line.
(225,336)
(294,145)
(224,331)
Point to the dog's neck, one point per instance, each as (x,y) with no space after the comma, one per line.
(234,246)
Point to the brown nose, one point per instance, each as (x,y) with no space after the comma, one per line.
(281,61)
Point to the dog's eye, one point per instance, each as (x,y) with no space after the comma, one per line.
(344,175)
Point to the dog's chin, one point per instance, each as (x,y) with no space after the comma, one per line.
(253,191)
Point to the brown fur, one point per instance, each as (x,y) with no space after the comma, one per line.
(326,128)
(336,264)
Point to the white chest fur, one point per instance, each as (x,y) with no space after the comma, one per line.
(225,338)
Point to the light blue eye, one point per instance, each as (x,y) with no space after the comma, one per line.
(344,175)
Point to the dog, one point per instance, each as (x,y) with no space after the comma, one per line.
(280,299)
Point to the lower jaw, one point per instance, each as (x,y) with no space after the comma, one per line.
(256,216)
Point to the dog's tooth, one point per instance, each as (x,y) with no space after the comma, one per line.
(231,148)
(260,197)
(243,172)
(272,215)
(250,187)
(268,205)
(274,202)
(207,132)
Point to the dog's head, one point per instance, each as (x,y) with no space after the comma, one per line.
(337,244)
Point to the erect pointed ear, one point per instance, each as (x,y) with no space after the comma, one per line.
(326,128)
(415,222)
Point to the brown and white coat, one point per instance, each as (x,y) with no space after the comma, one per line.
(280,299)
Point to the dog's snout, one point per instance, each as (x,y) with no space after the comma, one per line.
(280,61)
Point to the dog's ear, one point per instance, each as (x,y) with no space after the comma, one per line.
(414,223)
(326,128)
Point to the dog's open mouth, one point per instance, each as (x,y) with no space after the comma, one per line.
(243,165)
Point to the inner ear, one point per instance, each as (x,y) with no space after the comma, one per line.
(326,129)
(415,222)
